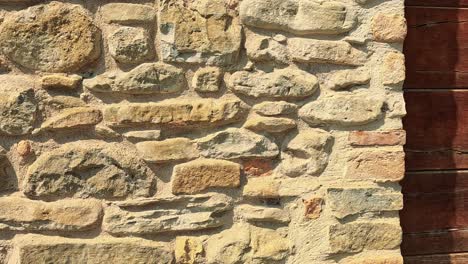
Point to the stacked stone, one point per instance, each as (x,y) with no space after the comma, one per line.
(201,131)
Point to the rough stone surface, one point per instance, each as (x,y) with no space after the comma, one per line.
(207,79)
(143,135)
(73,118)
(130,45)
(376,164)
(268,245)
(264,187)
(169,150)
(269,124)
(274,108)
(313,207)
(17,113)
(126,13)
(393,68)
(347,78)
(377,138)
(188,250)
(389,27)
(229,246)
(262,214)
(57,81)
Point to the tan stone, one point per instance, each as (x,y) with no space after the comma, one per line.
(130,45)
(347,78)
(17,112)
(229,246)
(376,164)
(126,13)
(377,138)
(263,187)
(265,48)
(143,135)
(188,250)
(274,108)
(169,150)
(262,214)
(389,27)
(73,118)
(199,175)
(313,207)
(268,245)
(207,79)
(393,68)
(377,258)
(24,148)
(269,124)
(57,81)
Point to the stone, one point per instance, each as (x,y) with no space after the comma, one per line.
(288,84)
(359,236)
(105,132)
(24,148)
(229,246)
(313,207)
(343,109)
(263,187)
(268,245)
(73,118)
(18,112)
(188,250)
(206,80)
(306,153)
(377,138)
(63,101)
(325,51)
(175,112)
(388,27)
(234,143)
(147,78)
(53,37)
(200,175)
(143,135)
(344,202)
(393,68)
(376,164)
(380,258)
(130,45)
(126,13)
(213,35)
(264,48)
(298,17)
(89,168)
(269,124)
(169,214)
(21,214)
(53,249)
(262,214)
(56,81)
(274,108)
(258,167)
(169,150)
(345,79)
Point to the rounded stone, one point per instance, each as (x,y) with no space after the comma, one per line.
(54,37)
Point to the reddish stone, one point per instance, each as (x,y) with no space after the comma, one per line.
(377,138)
(258,168)
(313,207)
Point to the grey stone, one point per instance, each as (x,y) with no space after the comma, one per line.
(17,112)
(130,45)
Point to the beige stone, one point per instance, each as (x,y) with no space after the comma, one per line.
(378,258)
(57,81)
(265,48)
(207,79)
(229,246)
(126,13)
(262,187)
(389,27)
(348,78)
(268,245)
(262,214)
(274,108)
(73,118)
(199,175)
(130,45)
(313,207)
(376,164)
(188,250)
(169,150)
(143,135)
(393,68)
(269,124)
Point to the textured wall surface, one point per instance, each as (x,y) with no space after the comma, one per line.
(201,131)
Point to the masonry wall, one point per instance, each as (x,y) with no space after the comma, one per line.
(201,131)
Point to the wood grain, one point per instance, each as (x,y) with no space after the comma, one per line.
(437,3)
(435,160)
(454,241)
(461,258)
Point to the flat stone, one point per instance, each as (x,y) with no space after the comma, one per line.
(377,138)
(268,245)
(73,118)
(229,246)
(262,214)
(17,112)
(89,169)
(298,17)
(21,214)
(199,175)
(169,150)
(143,135)
(376,164)
(380,258)
(53,37)
(188,250)
(388,27)
(56,81)
(393,68)
(160,215)
(262,187)
(126,13)
(234,143)
(288,83)
(274,108)
(207,79)
(130,45)
(269,124)
(345,79)
(343,109)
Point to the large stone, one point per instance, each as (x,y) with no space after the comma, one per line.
(343,109)
(126,13)
(300,17)
(268,245)
(393,68)
(199,175)
(376,164)
(35,249)
(162,215)
(274,108)
(69,215)
(175,112)
(229,246)
(54,37)
(262,214)
(234,143)
(269,124)
(349,201)
(130,45)
(389,27)
(169,150)
(288,83)
(212,36)
(73,118)
(147,78)
(348,78)
(17,113)
(89,169)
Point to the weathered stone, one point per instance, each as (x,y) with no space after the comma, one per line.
(229,246)
(264,48)
(347,78)
(143,135)
(57,250)
(130,45)
(147,78)
(298,17)
(105,132)
(70,215)
(17,113)
(343,109)
(274,108)
(262,214)
(306,153)
(349,201)
(199,175)
(188,250)
(207,79)
(263,187)
(358,236)
(379,258)
(169,150)
(313,207)
(89,169)
(298,187)
(212,36)
(269,124)
(56,81)
(268,245)
(258,167)
(24,148)
(54,37)
(126,13)
(73,118)
(393,68)
(234,143)
(289,84)
(63,101)
(389,27)
(376,164)
(175,112)
(377,138)
(171,214)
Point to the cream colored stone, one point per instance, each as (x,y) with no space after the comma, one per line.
(188,250)
(126,13)
(57,81)
(169,150)
(393,68)
(229,246)
(389,27)
(376,164)
(377,258)
(269,124)
(73,118)
(143,135)
(268,245)
(264,48)
(348,78)
(262,187)
(262,214)
(274,108)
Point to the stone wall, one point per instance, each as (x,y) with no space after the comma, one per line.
(201,131)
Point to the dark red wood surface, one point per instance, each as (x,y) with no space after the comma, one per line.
(439,3)
(460,258)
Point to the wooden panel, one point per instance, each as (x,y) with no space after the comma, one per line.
(439,3)
(443,160)
(438,259)
(435,242)
(435,182)
(436,80)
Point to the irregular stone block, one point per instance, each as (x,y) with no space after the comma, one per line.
(393,68)
(229,246)
(56,81)
(199,175)
(54,37)
(126,13)
(347,78)
(376,258)
(234,143)
(143,135)
(130,45)
(158,215)
(343,109)
(377,138)
(298,17)
(89,169)
(349,201)
(274,108)
(265,48)
(188,250)
(21,214)
(389,27)
(262,187)
(207,79)
(268,245)
(313,207)
(169,150)
(73,118)
(262,214)
(17,112)
(376,164)
(269,124)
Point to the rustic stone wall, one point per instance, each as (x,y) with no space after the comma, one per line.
(201,131)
